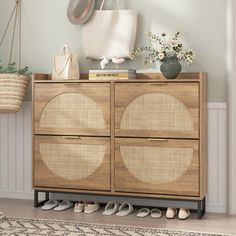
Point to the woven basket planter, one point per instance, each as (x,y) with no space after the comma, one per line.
(12,91)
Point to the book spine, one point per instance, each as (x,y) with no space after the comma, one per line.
(112,71)
(110,75)
(102,78)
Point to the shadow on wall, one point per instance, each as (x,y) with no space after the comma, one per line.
(158,16)
(46,29)
(196,24)
(189,16)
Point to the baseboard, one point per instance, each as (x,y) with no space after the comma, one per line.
(17,195)
(216,208)
(16,158)
(215,105)
(213,208)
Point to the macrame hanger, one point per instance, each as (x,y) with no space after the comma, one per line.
(13,33)
(16,11)
(19,36)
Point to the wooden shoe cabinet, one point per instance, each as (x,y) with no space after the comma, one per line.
(140,138)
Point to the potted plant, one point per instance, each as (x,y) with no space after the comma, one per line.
(169,51)
(13,85)
(13,80)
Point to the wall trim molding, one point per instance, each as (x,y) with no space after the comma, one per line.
(16,157)
(216,208)
(217,105)
(17,195)
(231,88)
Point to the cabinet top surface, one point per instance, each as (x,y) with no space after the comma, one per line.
(147,77)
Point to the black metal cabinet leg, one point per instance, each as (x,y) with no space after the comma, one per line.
(36,198)
(204,206)
(47,196)
(201,208)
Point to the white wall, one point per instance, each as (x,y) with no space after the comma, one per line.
(203,22)
(16,159)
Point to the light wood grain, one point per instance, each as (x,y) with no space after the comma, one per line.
(157,110)
(113,98)
(43,77)
(141,77)
(33,130)
(72,109)
(60,162)
(157,166)
(112,137)
(124,194)
(203,134)
(158,76)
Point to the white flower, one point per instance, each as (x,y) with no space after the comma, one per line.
(165,47)
(161,55)
(173,42)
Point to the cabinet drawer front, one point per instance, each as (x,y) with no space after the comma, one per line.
(157,110)
(72,108)
(169,167)
(72,162)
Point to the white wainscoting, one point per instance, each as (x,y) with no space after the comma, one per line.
(15,156)
(217,158)
(16,153)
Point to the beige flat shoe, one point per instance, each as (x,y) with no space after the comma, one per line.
(2,216)
(79,207)
(184,213)
(91,207)
(171,213)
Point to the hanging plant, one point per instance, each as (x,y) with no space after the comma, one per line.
(11,69)
(13,80)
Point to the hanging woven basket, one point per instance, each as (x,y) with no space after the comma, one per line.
(13,86)
(12,91)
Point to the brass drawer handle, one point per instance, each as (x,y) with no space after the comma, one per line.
(158,84)
(158,139)
(72,83)
(71,137)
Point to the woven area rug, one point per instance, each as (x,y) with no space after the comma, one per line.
(37,227)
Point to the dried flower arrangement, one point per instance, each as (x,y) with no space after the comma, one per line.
(165,49)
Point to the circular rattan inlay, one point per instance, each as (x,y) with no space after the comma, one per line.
(72,110)
(72,161)
(156,111)
(156,165)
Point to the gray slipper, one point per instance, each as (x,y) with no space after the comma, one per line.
(2,216)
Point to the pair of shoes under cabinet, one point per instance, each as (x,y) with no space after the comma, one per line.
(145,137)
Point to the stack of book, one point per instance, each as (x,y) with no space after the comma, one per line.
(111,74)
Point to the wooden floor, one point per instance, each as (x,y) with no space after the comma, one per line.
(217,223)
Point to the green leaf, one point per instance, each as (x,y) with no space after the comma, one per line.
(11,68)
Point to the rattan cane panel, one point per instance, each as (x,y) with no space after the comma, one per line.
(72,110)
(72,161)
(156,165)
(156,111)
